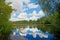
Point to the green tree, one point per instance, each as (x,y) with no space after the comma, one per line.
(5,25)
(52,10)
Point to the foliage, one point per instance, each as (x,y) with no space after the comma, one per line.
(49,6)
(5,25)
(52,10)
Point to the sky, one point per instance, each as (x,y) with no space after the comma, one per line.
(25,10)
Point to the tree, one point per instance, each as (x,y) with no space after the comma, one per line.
(52,10)
(5,25)
(49,6)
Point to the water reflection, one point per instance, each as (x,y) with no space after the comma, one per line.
(32,33)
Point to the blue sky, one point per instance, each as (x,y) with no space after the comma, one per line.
(25,10)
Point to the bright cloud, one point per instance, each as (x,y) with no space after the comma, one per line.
(26,1)
(22,12)
(32,5)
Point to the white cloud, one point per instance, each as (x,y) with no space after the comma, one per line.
(23,16)
(18,5)
(26,1)
(20,17)
(34,13)
(31,5)
(35,16)
(41,13)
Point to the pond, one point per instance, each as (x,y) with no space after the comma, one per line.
(32,34)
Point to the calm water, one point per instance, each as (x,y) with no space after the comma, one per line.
(30,36)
